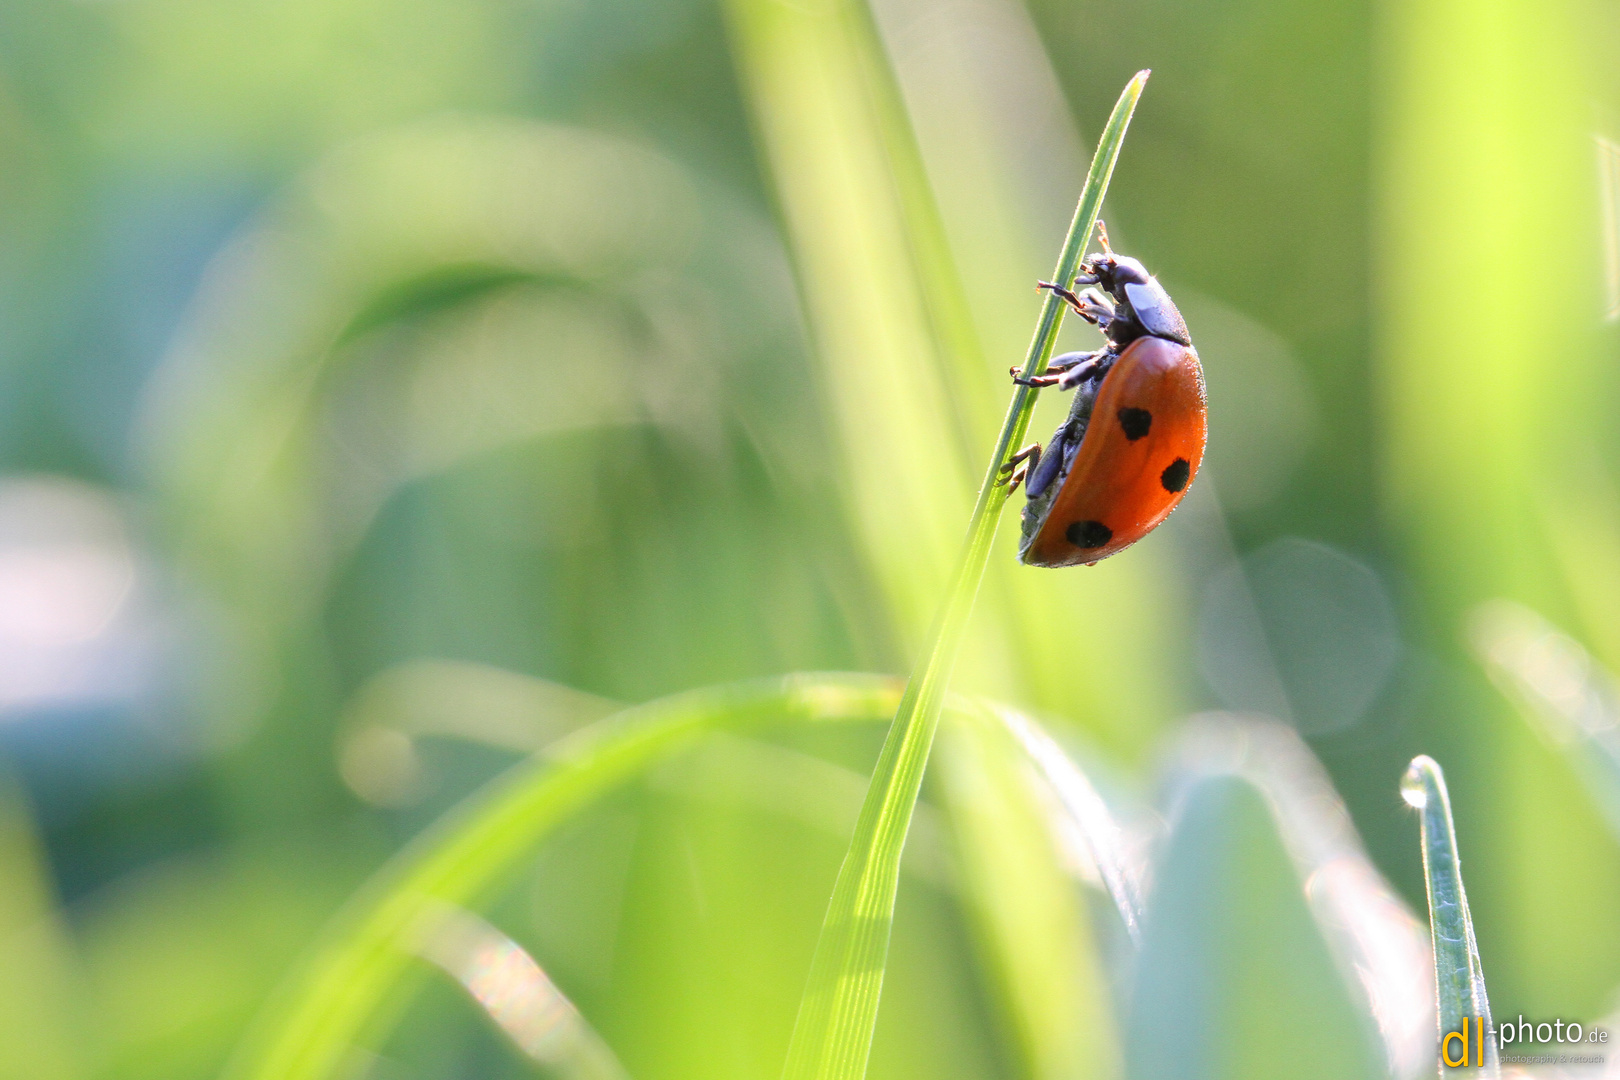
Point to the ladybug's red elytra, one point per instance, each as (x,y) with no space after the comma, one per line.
(1134,438)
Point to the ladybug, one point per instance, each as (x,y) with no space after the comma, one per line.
(1134,438)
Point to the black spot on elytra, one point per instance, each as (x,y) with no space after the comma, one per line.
(1135,422)
(1088,534)
(1175,474)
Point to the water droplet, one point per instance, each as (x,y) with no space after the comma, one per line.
(1413,788)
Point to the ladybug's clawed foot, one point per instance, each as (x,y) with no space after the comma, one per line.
(1068,296)
(1034,380)
(1020,464)
(1068,371)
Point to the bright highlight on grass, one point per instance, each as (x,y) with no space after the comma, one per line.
(832,1037)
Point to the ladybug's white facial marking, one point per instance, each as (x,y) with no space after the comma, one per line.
(1156,312)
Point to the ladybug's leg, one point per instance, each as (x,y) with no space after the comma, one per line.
(1070,369)
(1045,470)
(1066,294)
(1094,367)
(1054,367)
(1096,307)
(1030,453)
(1093,306)
(1059,364)
(1029,457)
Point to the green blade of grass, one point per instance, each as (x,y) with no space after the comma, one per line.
(1092,823)
(45,1013)
(308,1031)
(1377,943)
(1030,928)
(832,1036)
(1458,978)
(1562,690)
(852,202)
(516,994)
(1234,977)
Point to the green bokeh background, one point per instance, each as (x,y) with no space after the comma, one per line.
(639,346)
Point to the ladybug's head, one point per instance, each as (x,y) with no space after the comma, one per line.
(1113,272)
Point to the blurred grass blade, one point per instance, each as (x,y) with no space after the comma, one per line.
(477,702)
(851,195)
(1569,697)
(1459,979)
(1089,815)
(1235,977)
(1028,919)
(516,993)
(1378,944)
(1608,154)
(43,1007)
(379,755)
(832,1037)
(426,218)
(762,779)
(308,1031)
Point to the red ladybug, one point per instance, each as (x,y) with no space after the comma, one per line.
(1134,438)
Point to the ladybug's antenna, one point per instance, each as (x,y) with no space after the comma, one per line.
(1102,236)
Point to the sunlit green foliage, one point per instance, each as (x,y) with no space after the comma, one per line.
(390,389)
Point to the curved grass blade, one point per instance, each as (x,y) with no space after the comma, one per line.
(832,1037)
(759,777)
(308,1031)
(1235,977)
(1562,690)
(384,723)
(1041,962)
(516,994)
(1377,942)
(1093,823)
(1458,978)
